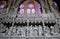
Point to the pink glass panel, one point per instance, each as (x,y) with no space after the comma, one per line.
(21,6)
(30,6)
(21,11)
(55,3)
(28,11)
(1,6)
(38,5)
(1,10)
(33,10)
(39,11)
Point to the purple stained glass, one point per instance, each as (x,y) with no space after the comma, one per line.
(30,6)
(55,3)
(33,10)
(21,6)
(38,5)
(21,11)
(28,11)
(39,11)
(1,6)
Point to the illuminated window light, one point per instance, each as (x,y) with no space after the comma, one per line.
(21,6)
(33,11)
(28,11)
(30,6)
(21,11)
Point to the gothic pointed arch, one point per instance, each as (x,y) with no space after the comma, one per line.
(30,7)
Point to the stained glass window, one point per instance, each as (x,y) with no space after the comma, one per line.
(30,6)
(28,11)
(21,11)
(55,3)
(38,5)
(21,6)
(1,6)
(33,10)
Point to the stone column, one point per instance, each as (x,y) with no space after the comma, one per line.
(17,3)
(25,7)
(40,30)
(50,3)
(43,6)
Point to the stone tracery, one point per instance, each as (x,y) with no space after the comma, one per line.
(30,7)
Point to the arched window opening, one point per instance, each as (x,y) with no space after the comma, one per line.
(32,8)
(21,9)
(1,8)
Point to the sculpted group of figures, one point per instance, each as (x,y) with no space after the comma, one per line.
(29,31)
(25,31)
